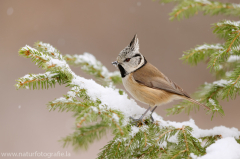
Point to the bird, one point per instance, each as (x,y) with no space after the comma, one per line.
(145,82)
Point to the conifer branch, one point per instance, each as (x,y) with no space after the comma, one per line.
(83,117)
(129,143)
(62,106)
(37,81)
(48,49)
(209,140)
(185,138)
(208,94)
(218,54)
(224,62)
(200,53)
(188,8)
(145,144)
(85,135)
(232,85)
(94,67)
(115,123)
(110,108)
(165,134)
(117,148)
(232,42)
(87,62)
(233,88)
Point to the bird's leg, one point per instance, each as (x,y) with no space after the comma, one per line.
(140,119)
(152,112)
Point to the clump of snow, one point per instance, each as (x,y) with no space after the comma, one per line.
(43,56)
(62,100)
(233,58)
(94,109)
(60,63)
(92,61)
(115,117)
(28,76)
(235,5)
(163,144)
(235,23)
(212,101)
(223,149)
(193,156)
(203,1)
(109,97)
(50,49)
(220,67)
(134,130)
(86,58)
(228,73)
(197,132)
(174,138)
(219,130)
(57,62)
(27,47)
(71,94)
(206,47)
(222,82)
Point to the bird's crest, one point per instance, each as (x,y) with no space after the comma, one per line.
(132,47)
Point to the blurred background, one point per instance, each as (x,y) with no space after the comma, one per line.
(102,28)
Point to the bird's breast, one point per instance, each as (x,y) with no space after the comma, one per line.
(146,94)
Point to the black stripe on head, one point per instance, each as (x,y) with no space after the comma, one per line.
(137,55)
(122,71)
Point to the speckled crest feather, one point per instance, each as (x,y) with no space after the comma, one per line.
(135,58)
(133,47)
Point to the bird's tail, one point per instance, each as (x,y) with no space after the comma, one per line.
(196,102)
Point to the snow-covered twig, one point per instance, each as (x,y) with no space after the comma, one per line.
(114,109)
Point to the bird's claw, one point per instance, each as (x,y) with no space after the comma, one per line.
(152,118)
(137,121)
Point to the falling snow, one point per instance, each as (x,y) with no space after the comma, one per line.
(10,11)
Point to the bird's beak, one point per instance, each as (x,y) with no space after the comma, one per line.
(115,63)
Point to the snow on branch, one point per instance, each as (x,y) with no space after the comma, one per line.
(200,53)
(218,54)
(188,8)
(210,93)
(35,81)
(91,65)
(223,59)
(91,101)
(87,62)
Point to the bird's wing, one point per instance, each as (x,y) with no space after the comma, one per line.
(151,77)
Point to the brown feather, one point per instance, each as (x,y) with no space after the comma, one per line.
(151,77)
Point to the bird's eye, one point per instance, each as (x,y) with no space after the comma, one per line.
(127,60)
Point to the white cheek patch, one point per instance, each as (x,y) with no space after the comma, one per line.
(133,65)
